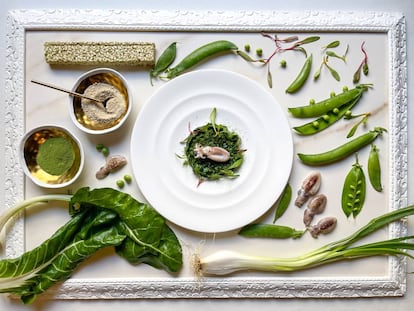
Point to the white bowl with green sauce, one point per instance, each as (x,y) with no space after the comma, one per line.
(51,156)
(106,85)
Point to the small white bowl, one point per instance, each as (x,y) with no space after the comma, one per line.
(29,148)
(99,75)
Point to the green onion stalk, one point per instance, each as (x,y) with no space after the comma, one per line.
(226,262)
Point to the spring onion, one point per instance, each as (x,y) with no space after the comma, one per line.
(226,262)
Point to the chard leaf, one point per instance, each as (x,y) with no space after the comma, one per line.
(136,253)
(66,261)
(55,259)
(36,259)
(142,224)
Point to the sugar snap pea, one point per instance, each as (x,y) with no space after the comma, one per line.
(283,202)
(165,60)
(341,151)
(301,78)
(374,168)
(326,120)
(201,54)
(353,191)
(321,108)
(270,231)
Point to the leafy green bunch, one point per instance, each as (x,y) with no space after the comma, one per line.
(99,218)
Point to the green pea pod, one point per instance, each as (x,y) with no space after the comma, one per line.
(342,151)
(270,231)
(323,107)
(301,77)
(374,168)
(199,55)
(353,191)
(283,202)
(326,120)
(165,60)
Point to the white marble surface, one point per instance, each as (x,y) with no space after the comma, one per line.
(375,266)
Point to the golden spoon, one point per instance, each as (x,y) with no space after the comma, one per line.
(72,93)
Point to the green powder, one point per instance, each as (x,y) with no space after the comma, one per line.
(56,155)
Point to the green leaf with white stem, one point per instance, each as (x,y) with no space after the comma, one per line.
(65,262)
(140,222)
(55,259)
(227,262)
(100,218)
(10,213)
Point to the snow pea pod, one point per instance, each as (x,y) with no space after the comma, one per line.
(321,108)
(283,202)
(201,54)
(165,60)
(301,78)
(374,168)
(326,120)
(341,151)
(270,231)
(353,191)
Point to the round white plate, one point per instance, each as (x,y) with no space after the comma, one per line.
(186,102)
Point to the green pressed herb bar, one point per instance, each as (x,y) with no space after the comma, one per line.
(96,53)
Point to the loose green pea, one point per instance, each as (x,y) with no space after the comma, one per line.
(332,94)
(270,231)
(345,89)
(127,178)
(374,168)
(259,52)
(283,63)
(353,191)
(105,151)
(120,183)
(312,101)
(99,147)
(342,151)
(247,48)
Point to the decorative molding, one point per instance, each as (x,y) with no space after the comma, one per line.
(392,24)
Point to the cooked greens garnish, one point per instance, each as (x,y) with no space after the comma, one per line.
(213,135)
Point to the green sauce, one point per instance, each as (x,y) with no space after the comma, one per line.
(216,135)
(56,155)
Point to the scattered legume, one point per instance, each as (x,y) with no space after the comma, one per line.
(374,168)
(341,151)
(199,55)
(283,202)
(165,60)
(353,191)
(329,104)
(301,78)
(270,231)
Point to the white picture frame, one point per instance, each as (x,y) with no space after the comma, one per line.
(391,24)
